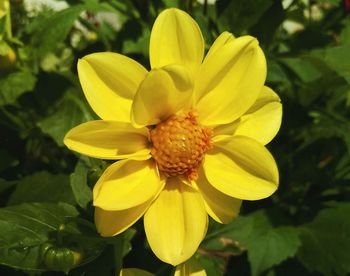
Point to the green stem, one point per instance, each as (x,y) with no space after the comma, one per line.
(8,26)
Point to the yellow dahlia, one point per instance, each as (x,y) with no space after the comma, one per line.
(189,134)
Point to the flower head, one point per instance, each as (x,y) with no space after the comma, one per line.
(189,134)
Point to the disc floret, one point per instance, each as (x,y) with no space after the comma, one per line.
(179,144)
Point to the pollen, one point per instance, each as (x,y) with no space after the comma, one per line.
(179,145)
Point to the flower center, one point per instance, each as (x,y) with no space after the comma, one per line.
(179,144)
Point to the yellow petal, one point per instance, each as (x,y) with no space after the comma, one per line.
(110,81)
(176,39)
(163,92)
(220,41)
(261,122)
(176,222)
(229,81)
(263,119)
(111,223)
(134,272)
(127,183)
(219,206)
(266,96)
(242,168)
(190,268)
(109,140)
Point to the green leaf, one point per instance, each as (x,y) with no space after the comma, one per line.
(305,69)
(7,160)
(326,125)
(54,29)
(122,246)
(78,182)
(24,228)
(43,187)
(326,241)
(239,15)
(5,184)
(344,37)
(337,58)
(266,245)
(140,45)
(214,266)
(14,85)
(70,112)
(276,73)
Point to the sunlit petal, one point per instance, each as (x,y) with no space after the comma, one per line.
(163,92)
(176,222)
(176,39)
(110,81)
(261,122)
(111,223)
(229,81)
(220,207)
(263,119)
(126,184)
(242,168)
(220,41)
(190,268)
(109,140)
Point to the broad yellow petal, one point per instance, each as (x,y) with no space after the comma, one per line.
(229,81)
(163,92)
(220,207)
(261,122)
(263,119)
(176,222)
(110,81)
(220,41)
(176,39)
(266,96)
(190,268)
(109,140)
(127,183)
(242,168)
(111,223)
(134,272)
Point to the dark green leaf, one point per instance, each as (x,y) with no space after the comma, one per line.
(122,246)
(326,242)
(24,228)
(214,266)
(5,184)
(337,58)
(14,85)
(303,68)
(54,29)
(239,15)
(78,182)
(6,160)
(267,245)
(43,187)
(70,112)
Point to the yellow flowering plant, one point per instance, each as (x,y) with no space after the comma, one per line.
(189,134)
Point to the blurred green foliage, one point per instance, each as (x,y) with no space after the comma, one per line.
(304,229)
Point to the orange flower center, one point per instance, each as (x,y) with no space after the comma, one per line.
(179,144)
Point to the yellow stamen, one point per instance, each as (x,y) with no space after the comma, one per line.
(179,144)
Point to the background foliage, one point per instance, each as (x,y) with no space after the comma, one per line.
(304,229)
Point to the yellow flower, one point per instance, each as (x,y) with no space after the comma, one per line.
(190,134)
(191,267)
